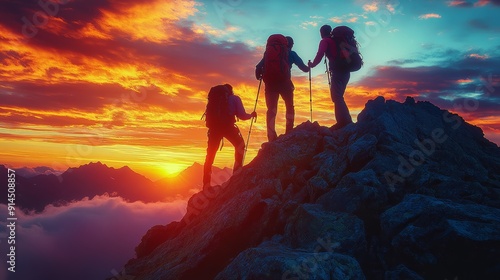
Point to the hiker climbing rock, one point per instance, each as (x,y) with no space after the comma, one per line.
(341,49)
(274,69)
(222,109)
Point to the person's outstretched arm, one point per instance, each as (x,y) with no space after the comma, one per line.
(323,46)
(295,58)
(240,110)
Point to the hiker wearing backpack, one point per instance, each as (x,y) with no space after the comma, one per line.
(340,47)
(275,68)
(222,110)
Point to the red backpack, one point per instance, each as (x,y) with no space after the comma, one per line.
(276,66)
(217,115)
(347,56)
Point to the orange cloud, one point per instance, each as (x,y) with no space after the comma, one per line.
(336,20)
(371,7)
(352,20)
(478,56)
(150,21)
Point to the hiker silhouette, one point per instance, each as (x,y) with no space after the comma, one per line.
(339,77)
(277,80)
(222,110)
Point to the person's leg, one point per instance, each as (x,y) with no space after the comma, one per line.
(287,95)
(214,139)
(234,136)
(272,109)
(337,90)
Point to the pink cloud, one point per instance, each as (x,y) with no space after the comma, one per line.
(87,239)
(428,16)
(459,3)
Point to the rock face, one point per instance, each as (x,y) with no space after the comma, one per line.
(408,192)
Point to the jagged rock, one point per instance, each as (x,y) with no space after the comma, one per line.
(311,228)
(441,237)
(359,193)
(293,149)
(316,186)
(402,272)
(410,191)
(330,165)
(361,151)
(274,261)
(156,236)
(271,187)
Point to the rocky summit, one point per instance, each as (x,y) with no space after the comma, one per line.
(409,191)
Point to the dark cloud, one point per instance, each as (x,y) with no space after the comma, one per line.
(74,13)
(470,85)
(483,25)
(495,2)
(60,97)
(15,58)
(472,4)
(87,239)
(402,61)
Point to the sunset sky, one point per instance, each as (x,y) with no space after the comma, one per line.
(125,82)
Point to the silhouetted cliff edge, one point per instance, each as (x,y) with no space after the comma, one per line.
(410,191)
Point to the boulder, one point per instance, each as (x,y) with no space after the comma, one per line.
(274,261)
(314,229)
(443,239)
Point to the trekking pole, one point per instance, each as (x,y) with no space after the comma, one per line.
(251,123)
(327,74)
(310,93)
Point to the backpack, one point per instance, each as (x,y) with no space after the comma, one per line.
(347,56)
(276,65)
(217,115)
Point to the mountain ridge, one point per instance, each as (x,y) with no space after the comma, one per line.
(34,193)
(319,203)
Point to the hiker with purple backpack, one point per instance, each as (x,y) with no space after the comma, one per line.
(341,49)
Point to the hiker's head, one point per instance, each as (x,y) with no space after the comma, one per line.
(325,31)
(229,88)
(290,42)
